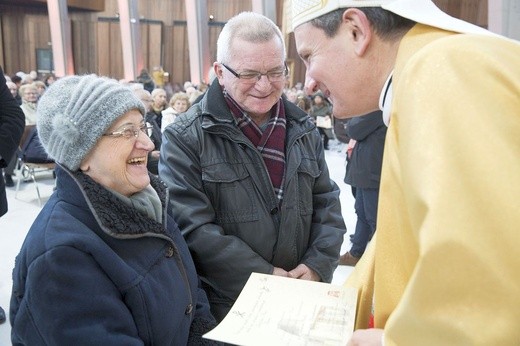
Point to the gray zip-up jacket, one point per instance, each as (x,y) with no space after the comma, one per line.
(223,200)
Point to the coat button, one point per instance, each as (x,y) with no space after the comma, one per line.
(274,211)
(169,251)
(189,309)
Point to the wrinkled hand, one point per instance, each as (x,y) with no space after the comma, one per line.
(305,273)
(366,337)
(280,272)
(350,147)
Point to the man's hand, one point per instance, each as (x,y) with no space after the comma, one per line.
(280,272)
(303,272)
(366,337)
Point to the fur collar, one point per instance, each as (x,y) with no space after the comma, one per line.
(115,217)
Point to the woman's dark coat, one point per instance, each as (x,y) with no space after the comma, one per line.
(95,271)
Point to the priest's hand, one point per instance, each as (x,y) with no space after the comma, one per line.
(366,337)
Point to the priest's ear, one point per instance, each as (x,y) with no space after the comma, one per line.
(359,29)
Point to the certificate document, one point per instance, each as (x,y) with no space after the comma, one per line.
(274,310)
(325,122)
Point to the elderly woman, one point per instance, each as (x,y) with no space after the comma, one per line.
(40,87)
(179,103)
(104,263)
(29,95)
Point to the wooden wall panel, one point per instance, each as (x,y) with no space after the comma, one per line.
(24,30)
(93,5)
(103,47)
(162,10)
(84,47)
(167,63)
(176,54)
(169,11)
(116,51)
(473,11)
(29,42)
(11,44)
(97,43)
(169,48)
(223,10)
(298,73)
(214,32)
(151,44)
(110,54)
(154,53)
(144,31)
(37,36)
(178,63)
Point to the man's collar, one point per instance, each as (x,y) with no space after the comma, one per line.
(385,99)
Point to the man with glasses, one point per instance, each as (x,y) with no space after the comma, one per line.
(246,171)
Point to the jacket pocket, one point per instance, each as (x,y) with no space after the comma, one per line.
(230,190)
(308,171)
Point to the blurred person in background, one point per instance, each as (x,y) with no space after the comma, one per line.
(154,118)
(179,103)
(11,130)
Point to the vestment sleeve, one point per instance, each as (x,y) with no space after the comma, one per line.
(457,130)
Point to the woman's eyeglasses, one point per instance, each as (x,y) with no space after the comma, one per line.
(129,131)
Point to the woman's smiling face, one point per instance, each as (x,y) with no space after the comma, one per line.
(118,162)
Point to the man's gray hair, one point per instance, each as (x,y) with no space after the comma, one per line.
(248,26)
(385,24)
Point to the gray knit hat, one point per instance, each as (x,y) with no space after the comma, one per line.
(75,111)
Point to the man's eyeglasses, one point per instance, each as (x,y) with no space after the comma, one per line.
(129,131)
(254,76)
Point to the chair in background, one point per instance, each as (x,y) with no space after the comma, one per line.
(32,160)
(29,171)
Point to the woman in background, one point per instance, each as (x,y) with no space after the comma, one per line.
(179,103)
